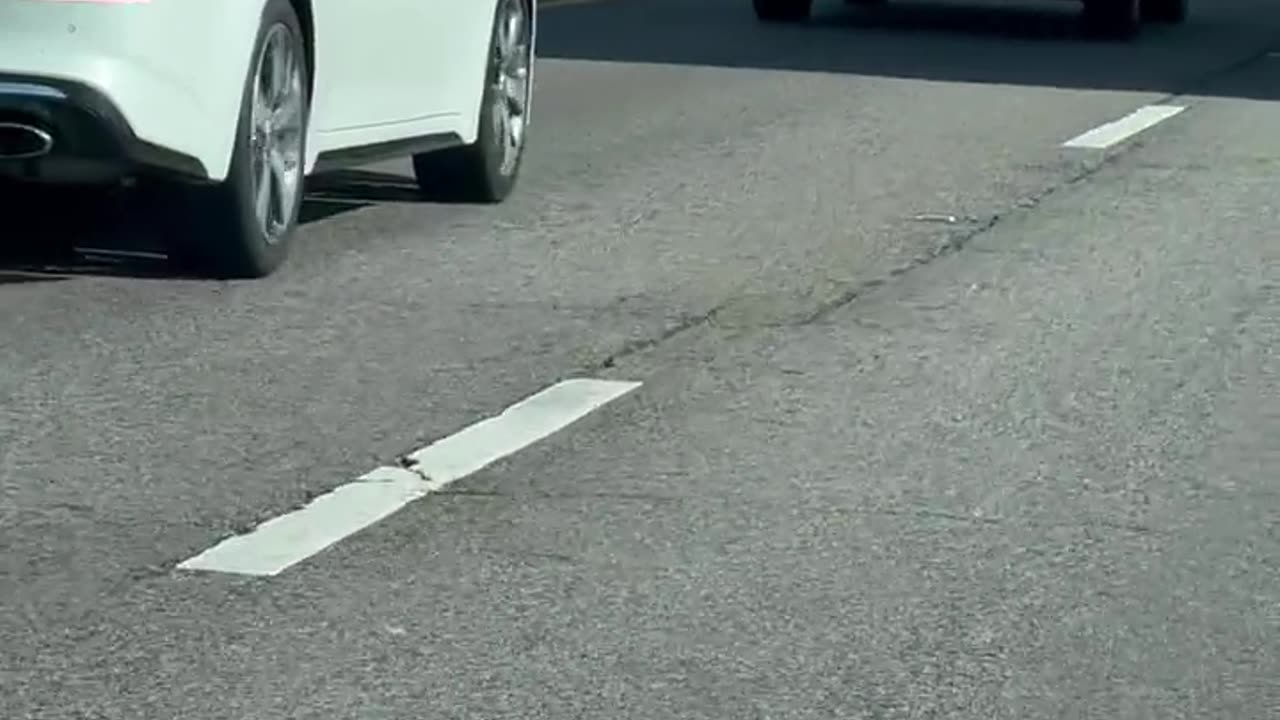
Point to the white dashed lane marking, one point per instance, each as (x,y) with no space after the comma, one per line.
(288,539)
(1113,133)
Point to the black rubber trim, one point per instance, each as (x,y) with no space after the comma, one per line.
(377,152)
(85,123)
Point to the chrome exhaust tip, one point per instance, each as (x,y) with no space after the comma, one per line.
(19,141)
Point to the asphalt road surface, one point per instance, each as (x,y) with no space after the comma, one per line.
(940,415)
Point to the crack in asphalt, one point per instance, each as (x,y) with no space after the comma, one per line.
(954,243)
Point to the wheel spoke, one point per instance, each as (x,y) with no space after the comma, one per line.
(262,196)
(517,63)
(512,30)
(515,89)
(288,116)
(266,72)
(515,133)
(261,104)
(281,62)
(282,179)
(501,122)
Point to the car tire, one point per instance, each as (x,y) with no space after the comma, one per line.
(1116,19)
(782,10)
(1165,11)
(486,171)
(243,227)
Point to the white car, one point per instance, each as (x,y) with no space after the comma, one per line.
(232,103)
(1117,18)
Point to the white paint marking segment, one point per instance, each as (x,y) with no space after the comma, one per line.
(281,542)
(1105,136)
(519,426)
(287,539)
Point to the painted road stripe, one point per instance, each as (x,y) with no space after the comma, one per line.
(1105,136)
(288,539)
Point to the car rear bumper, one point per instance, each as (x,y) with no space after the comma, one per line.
(170,73)
(91,139)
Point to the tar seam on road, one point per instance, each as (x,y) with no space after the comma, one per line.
(288,539)
(1113,133)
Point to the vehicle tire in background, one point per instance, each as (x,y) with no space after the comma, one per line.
(1165,11)
(1117,19)
(486,171)
(244,226)
(782,10)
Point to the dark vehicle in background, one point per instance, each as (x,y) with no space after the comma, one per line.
(1114,18)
